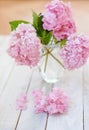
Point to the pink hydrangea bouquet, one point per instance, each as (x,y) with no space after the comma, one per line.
(53,28)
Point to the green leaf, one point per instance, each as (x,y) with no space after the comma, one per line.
(44,35)
(35,20)
(14,24)
(55,40)
(38,24)
(63,43)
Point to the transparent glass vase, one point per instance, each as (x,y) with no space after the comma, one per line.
(51,69)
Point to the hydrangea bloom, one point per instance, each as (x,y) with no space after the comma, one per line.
(57,102)
(63,31)
(53,103)
(21,102)
(61,23)
(40,100)
(24,45)
(76,51)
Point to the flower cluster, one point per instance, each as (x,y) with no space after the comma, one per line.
(25,45)
(55,24)
(55,102)
(62,23)
(76,51)
(21,102)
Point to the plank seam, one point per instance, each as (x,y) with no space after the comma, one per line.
(4,86)
(51,86)
(18,120)
(83,99)
(19,116)
(46,122)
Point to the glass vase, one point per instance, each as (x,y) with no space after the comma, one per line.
(51,69)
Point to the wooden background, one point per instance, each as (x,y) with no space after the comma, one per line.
(22,9)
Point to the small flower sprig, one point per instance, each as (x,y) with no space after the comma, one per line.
(21,102)
(56,102)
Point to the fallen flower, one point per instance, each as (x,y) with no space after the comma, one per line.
(55,102)
(21,102)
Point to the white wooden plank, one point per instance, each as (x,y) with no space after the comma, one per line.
(2,38)
(4,76)
(16,83)
(86,96)
(6,63)
(29,119)
(73,119)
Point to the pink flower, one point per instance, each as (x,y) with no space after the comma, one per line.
(61,23)
(57,102)
(52,109)
(40,100)
(53,103)
(63,31)
(21,102)
(76,51)
(24,45)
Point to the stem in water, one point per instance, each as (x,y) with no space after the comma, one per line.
(46,62)
(49,52)
(56,59)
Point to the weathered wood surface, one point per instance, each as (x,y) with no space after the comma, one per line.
(15,79)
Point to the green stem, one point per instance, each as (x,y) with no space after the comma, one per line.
(46,62)
(56,59)
(46,53)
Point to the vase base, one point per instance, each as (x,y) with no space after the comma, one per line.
(50,80)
